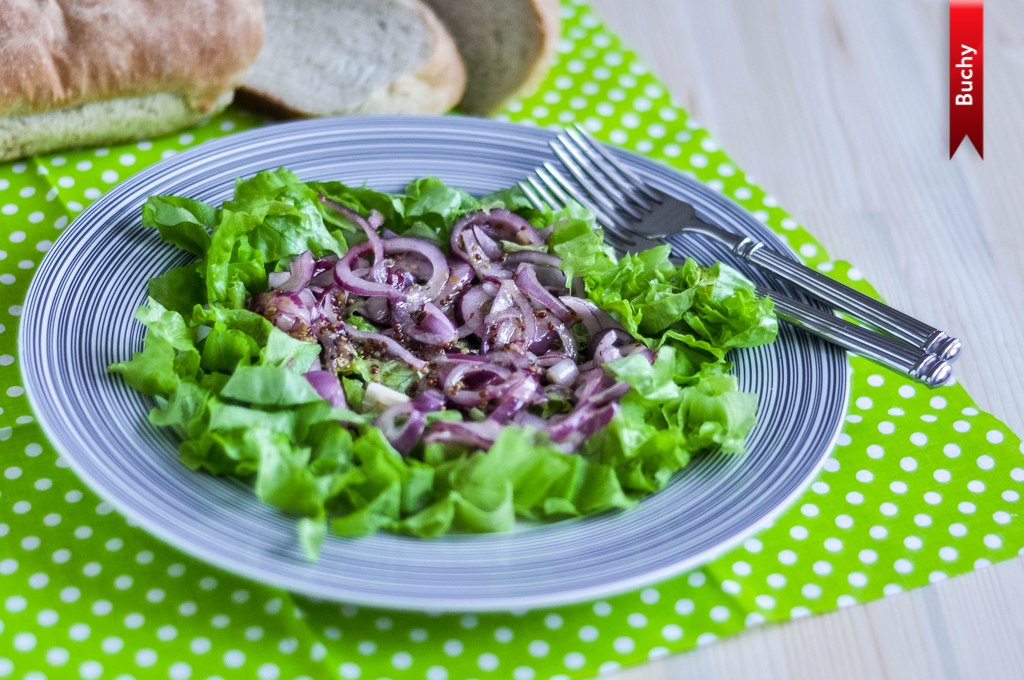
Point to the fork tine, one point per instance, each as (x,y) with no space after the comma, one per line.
(549,177)
(628,199)
(560,185)
(595,188)
(584,138)
(624,189)
(613,226)
(536,194)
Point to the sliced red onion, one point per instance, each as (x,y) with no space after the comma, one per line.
(460,275)
(433,327)
(611,393)
(504,299)
(534,257)
(465,383)
(325,263)
(428,401)
(473,375)
(544,343)
(402,425)
(641,349)
(514,349)
(606,343)
(528,419)
(324,271)
(549,359)
(298,276)
(592,316)
(385,344)
(553,279)
(473,235)
(505,322)
(501,224)
(575,427)
(465,246)
(324,279)
(525,391)
(555,331)
(531,329)
(477,435)
(370,229)
(329,307)
(567,339)
(590,383)
(328,386)
(474,305)
(336,353)
(526,279)
(488,245)
(413,263)
(510,319)
(375,309)
(287,311)
(501,334)
(347,279)
(514,360)
(439,264)
(437,325)
(306,298)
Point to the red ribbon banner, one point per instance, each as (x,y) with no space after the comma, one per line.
(966,69)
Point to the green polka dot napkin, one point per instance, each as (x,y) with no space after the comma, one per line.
(921,486)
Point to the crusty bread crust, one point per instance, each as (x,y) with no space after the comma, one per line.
(508,46)
(549,23)
(104,122)
(56,54)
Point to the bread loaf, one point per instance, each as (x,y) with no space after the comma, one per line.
(76,72)
(328,57)
(507,45)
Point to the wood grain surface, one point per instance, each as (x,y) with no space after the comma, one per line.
(838,109)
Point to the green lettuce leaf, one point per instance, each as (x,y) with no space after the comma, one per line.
(284,479)
(181,221)
(269,386)
(288,219)
(168,355)
(179,289)
(232,384)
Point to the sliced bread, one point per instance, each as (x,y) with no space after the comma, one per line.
(329,57)
(76,72)
(507,45)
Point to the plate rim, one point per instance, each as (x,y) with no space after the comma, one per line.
(496,603)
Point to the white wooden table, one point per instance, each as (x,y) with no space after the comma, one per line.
(839,109)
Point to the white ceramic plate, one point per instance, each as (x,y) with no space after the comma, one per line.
(79,318)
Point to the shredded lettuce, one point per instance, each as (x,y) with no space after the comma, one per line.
(232,384)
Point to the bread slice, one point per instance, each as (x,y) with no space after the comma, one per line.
(508,46)
(76,72)
(329,57)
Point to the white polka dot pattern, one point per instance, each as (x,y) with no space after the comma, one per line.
(62,551)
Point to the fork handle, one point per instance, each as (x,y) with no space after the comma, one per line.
(895,354)
(929,340)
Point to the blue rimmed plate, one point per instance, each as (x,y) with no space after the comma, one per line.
(78,318)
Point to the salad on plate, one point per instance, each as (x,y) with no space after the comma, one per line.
(432,362)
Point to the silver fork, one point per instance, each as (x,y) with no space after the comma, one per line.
(548,187)
(627,204)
